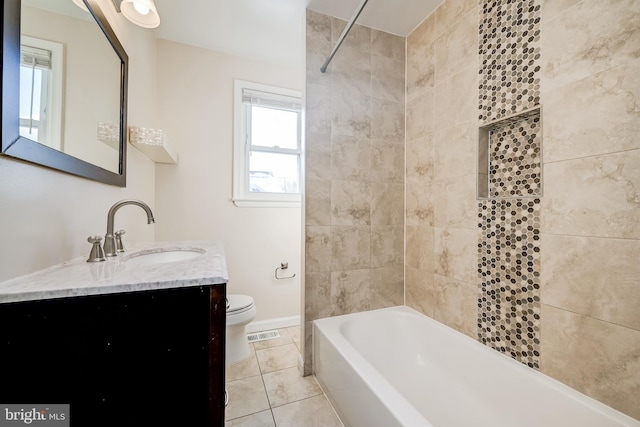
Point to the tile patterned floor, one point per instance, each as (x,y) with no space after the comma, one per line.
(266,389)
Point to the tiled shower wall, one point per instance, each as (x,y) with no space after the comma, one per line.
(586,321)
(354,191)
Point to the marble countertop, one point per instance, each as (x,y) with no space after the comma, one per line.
(117,274)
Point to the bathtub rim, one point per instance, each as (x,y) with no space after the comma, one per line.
(362,366)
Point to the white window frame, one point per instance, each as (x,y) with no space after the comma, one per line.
(242,197)
(53,134)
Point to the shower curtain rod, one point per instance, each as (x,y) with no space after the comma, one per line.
(343,35)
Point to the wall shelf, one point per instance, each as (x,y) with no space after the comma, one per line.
(153,143)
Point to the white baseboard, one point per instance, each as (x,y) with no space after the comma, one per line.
(265,325)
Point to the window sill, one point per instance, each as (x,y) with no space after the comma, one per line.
(247,203)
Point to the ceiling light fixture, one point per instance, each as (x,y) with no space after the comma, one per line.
(141,12)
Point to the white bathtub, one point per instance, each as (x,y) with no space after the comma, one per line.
(396,367)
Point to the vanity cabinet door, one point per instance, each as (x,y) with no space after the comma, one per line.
(143,358)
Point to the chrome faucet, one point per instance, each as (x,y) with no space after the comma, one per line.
(111,247)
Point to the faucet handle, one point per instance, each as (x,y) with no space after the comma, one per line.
(96,254)
(119,245)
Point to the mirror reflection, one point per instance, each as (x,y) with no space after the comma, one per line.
(69,83)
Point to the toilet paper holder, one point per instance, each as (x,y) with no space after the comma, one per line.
(283,266)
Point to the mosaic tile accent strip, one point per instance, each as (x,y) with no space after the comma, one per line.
(509,270)
(509,51)
(515,159)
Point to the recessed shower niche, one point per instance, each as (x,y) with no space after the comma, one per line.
(510,157)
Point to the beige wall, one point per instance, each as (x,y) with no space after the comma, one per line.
(589,322)
(354,175)
(46,216)
(193,198)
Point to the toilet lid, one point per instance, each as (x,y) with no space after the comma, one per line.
(239,303)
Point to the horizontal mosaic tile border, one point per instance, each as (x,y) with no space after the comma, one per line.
(509,271)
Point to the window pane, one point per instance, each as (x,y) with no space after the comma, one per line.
(27,96)
(271,127)
(273,173)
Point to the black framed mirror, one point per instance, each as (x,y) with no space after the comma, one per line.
(17,146)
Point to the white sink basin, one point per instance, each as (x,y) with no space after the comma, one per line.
(162,256)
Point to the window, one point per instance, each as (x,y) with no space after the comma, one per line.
(267,139)
(41,91)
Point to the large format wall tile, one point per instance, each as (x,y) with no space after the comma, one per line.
(593,196)
(318,156)
(450,12)
(389,46)
(387,201)
(588,38)
(317,248)
(456,253)
(455,203)
(419,290)
(387,120)
(350,291)
(318,47)
(420,247)
(350,158)
(351,115)
(350,203)
(387,287)
(387,78)
(317,298)
(387,162)
(598,358)
(456,305)
(595,277)
(420,115)
(318,202)
(421,61)
(456,97)
(455,152)
(610,124)
(387,245)
(457,47)
(350,247)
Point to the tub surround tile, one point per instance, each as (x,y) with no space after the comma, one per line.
(318,47)
(350,158)
(318,116)
(420,248)
(359,36)
(387,245)
(350,247)
(387,162)
(455,150)
(603,34)
(420,115)
(456,97)
(351,115)
(552,8)
(286,386)
(387,78)
(420,158)
(276,358)
(455,252)
(421,61)
(419,200)
(456,305)
(450,12)
(387,287)
(318,202)
(351,72)
(317,299)
(317,248)
(457,46)
(455,202)
(318,156)
(387,204)
(312,412)
(595,277)
(260,419)
(419,290)
(387,120)
(350,291)
(350,203)
(388,46)
(307,369)
(246,396)
(612,208)
(610,124)
(596,358)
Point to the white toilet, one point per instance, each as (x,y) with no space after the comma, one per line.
(240,311)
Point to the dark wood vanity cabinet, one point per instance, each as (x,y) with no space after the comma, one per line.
(128,359)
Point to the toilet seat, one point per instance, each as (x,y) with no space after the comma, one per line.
(239,304)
